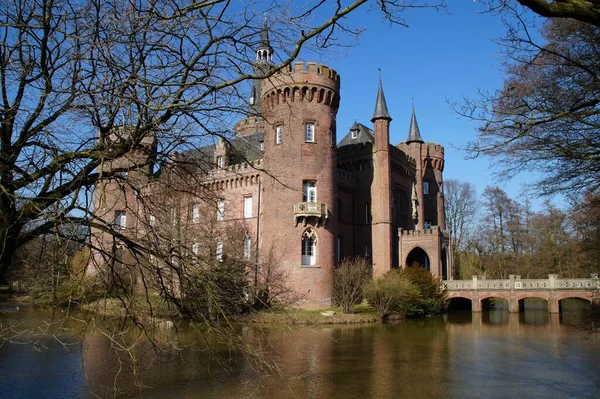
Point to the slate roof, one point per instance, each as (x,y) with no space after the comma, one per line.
(242,149)
(413,131)
(381,110)
(365,135)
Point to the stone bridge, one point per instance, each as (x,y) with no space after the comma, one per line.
(515,289)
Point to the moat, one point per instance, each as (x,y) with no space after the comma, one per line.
(493,354)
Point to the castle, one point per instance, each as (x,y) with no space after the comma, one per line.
(300,198)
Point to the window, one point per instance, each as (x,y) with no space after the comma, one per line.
(247,207)
(220,210)
(309,248)
(367,250)
(367,213)
(425,187)
(219,250)
(279,134)
(309,191)
(262,145)
(196,213)
(339,249)
(427,225)
(152,220)
(196,248)
(220,162)
(173,216)
(247,246)
(309,135)
(120,220)
(354,133)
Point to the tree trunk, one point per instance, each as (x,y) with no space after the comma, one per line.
(8,246)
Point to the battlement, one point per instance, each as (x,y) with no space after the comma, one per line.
(314,68)
(302,82)
(435,150)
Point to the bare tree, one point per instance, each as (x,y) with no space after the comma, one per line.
(545,118)
(461,206)
(75,75)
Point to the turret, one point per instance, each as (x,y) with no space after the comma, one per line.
(299,231)
(381,188)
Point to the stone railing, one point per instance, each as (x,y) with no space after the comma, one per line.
(310,209)
(515,282)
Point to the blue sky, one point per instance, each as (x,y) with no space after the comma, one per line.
(440,58)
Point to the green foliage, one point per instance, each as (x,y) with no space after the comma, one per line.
(412,291)
(430,297)
(349,279)
(389,293)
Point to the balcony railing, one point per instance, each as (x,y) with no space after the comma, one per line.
(305,210)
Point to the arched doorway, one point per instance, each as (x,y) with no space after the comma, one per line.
(444,264)
(418,257)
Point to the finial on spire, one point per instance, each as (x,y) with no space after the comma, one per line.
(413,131)
(381,110)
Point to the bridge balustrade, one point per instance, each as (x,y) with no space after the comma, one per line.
(552,289)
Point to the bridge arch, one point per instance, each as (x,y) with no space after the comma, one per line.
(418,256)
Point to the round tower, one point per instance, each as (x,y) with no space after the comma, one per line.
(299,192)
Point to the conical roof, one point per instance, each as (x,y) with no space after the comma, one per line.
(413,131)
(381,110)
(264,37)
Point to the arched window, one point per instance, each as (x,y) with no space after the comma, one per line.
(309,248)
(247,246)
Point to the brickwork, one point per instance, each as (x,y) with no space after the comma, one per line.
(355,200)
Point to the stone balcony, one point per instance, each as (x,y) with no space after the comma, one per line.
(305,210)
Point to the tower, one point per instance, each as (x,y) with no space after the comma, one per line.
(381,194)
(298,231)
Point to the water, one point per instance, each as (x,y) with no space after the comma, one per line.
(489,355)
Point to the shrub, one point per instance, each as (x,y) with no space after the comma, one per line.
(390,293)
(430,298)
(349,279)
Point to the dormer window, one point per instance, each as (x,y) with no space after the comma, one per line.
(354,134)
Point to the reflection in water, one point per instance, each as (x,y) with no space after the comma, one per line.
(492,354)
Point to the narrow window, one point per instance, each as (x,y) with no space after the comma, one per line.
(120,220)
(427,225)
(367,250)
(309,248)
(247,207)
(220,210)
(279,134)
(220,162)
(173,216)
(425,187)
(309,136)
(196,213)
(247,247)
(219,250)
(339,249)
(309,191)
(367,213)
(262,145)
(196,248)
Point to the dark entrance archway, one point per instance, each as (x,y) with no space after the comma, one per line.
(444,264)
(418,257)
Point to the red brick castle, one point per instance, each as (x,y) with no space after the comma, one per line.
(298,197)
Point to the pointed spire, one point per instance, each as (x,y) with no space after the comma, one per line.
(265,43)
(413,132)
(381,110)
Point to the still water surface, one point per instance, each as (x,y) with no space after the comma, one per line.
(490,355)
